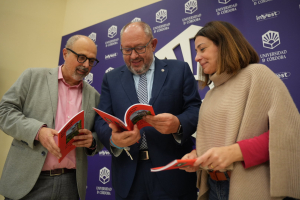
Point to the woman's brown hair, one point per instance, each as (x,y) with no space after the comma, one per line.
(235,52)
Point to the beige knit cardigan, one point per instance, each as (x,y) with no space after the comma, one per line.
(243,106)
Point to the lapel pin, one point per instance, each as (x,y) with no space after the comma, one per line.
(162,70)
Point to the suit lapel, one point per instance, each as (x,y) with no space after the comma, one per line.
(128,85)
(85,96)
(160,74)
(52,78)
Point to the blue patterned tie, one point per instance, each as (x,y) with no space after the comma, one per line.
(142,94)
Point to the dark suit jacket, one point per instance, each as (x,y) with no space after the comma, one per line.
(174,91)
(24,108)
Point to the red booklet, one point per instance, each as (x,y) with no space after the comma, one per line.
(133,115)
(176,164)
(67,133)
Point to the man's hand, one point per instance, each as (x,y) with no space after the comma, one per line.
(83,140)
(191,155)
(218,158)
(46,139)
(164,123)
(125,138)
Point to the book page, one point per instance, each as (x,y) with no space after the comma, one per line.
(176,164)
(111,119)
(135,113)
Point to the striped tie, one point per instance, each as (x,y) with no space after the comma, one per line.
(142,94)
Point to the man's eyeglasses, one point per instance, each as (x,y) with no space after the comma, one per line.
(138,50)
(82,58)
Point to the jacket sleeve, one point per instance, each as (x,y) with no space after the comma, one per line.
(192,102)
(101,127)
(13,121)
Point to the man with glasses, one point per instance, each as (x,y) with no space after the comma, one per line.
(33,110)
(170,87)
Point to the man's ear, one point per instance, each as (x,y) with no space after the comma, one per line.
(65,53)
(154,43)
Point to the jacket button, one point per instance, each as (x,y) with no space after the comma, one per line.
(43,153)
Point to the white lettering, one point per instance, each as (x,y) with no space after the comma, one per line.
(276,58)
(263,1)
(192,17)
(226,9)
(267,15)
(283,75)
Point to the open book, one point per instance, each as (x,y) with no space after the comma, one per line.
(133,115)
(67,132)
(176,164)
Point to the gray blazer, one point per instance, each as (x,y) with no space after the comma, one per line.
(24,108)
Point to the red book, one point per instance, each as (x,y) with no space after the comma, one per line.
(176,164)
(133,115)
(67,132)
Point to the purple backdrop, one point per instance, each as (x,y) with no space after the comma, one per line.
(271,26)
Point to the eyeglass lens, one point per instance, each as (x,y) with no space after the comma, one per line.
(82,59)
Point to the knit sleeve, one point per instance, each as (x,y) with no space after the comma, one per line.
(255,150)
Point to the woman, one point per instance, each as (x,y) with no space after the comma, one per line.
(247,100)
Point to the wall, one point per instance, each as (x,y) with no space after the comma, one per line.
(81,14)
(31,31)
(30,37)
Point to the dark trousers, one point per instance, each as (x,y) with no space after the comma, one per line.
(219,190)
(147,187)
(62,187)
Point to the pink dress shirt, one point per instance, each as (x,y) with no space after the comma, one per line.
(69,104)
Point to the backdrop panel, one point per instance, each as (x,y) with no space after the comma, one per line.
(271,26)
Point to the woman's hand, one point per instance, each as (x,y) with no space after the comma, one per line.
(219,158)
(191,155)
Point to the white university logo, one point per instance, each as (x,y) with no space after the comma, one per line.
(161,16)
(109,69)
(112,31)
(89,78)
(270,39)
(93,36)
(136,19)
(190,6)
(224,1)
(104,175)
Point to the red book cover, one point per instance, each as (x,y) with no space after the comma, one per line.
(133,115)
(67,132)
(176,164)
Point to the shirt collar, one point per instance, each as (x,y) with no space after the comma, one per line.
(60,77)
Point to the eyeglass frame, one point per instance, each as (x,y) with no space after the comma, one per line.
(97,61)
(136,47)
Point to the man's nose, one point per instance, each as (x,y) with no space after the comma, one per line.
(134,54)
(86,63)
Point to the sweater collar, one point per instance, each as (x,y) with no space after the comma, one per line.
(219,79)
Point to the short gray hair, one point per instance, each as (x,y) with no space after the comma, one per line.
(143,25)
(72,40)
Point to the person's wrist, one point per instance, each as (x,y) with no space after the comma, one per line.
(113,144)
(237,153)
(93,145)
(179,130)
